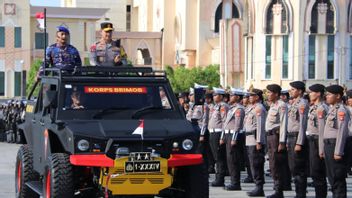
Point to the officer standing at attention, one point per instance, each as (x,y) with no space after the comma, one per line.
(195,112)
(254,128)
(276,128)
(335,136)
(61,55)
(231,138)
(107,52)
(217,117)
(315,130)
(296,137)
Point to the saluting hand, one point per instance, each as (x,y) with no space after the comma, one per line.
(117,59)
(337,157)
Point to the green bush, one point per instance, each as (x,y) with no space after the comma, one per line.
(182,79)
(32,76)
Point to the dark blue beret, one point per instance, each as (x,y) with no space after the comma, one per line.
(62,29)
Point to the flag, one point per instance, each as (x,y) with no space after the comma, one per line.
(139,130)
(40,19)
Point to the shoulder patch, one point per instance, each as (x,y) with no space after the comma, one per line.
(93,48)
(222,109)
(341,115)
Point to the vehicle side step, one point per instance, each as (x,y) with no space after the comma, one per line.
(36,186)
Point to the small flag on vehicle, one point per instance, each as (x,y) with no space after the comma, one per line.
(139,130)
(40,18)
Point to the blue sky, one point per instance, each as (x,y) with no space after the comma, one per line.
(45,2)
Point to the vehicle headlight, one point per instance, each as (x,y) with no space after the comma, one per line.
(175,145)
(83,145)
(187,144)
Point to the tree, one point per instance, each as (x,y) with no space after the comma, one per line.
(33,75)
(182,79)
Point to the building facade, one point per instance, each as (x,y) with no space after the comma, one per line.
(255,42)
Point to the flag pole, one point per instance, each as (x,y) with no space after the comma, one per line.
(44,41)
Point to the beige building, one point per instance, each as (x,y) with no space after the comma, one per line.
(118,13)
(256,42)
(14,47)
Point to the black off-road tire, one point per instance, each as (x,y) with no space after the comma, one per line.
(25,173)
(58,177)
(192,182)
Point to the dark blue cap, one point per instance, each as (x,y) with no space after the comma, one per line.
(62,29)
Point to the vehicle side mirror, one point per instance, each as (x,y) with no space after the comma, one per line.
(199,95)
(49,99)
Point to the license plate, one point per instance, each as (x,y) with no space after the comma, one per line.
(140,167)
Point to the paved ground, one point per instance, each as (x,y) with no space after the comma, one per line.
(7,172)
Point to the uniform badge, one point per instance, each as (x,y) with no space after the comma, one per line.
(320,114)
(238,113)
(283,108)
(93,48)
(222,110)
(258,111)
(341,116)
(301,109)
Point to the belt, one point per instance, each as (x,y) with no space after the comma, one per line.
(229,131)
(312,137)
(248,133)
(272,132)
(215,130)
(330,141)
(292,134)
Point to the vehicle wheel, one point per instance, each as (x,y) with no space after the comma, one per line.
(192,182)
(58,177)
(25,173)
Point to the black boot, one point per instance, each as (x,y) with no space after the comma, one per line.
(233,187)
(277,194)
(248,180)
(218,182)
(301,187)
(257,192)
(321,191)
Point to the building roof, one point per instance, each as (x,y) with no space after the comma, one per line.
(72,13)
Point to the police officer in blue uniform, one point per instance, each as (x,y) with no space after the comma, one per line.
(62,55)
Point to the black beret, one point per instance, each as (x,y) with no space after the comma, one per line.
(274,88)
(209,95)
(257,92)
(349,93)
(182,95)
(335,89)
(298,85)
(317,88)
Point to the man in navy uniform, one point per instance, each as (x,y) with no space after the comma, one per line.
(62,55)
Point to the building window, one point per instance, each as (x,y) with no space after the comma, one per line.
(285,58)
(18,37)
(322,18)
(235,12)
(128,18)
(39,40)
(276,18)
(311,61)
(331,51)
(2,36)
(268,58)
(18,83)
(2,83)
(218,15)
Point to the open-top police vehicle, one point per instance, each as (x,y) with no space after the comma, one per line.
(111,132)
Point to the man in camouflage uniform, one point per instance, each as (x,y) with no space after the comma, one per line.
(254,129)
(61,55)
(217,117)
(296,137)
(315,130)
(107,52)
(335,136)
(231,138)
(276,129)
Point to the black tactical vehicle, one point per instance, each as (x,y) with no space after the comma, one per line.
(107,132)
